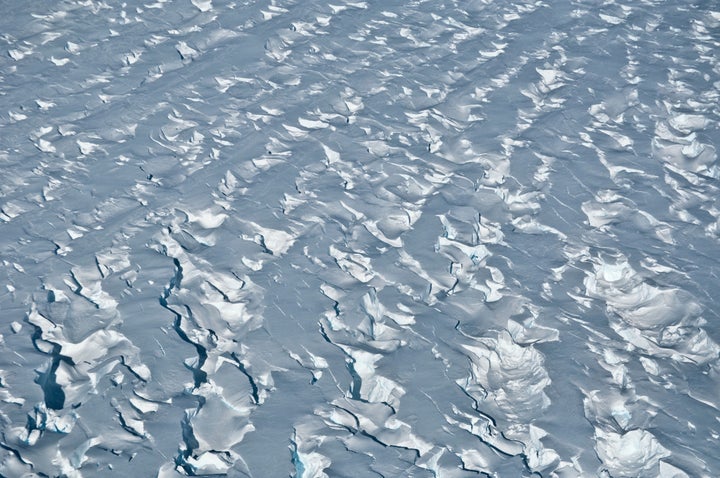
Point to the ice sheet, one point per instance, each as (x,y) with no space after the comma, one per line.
(269,238)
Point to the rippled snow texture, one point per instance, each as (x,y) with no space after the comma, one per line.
(271,238)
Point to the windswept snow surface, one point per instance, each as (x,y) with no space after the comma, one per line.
(272,238)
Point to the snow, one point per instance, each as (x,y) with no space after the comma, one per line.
(312,239)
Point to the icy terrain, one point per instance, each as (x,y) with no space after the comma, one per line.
(430,238)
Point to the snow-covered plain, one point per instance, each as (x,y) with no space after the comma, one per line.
(430,238)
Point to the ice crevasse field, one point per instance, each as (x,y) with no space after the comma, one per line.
(359,238)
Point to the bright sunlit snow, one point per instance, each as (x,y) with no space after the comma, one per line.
(429,238)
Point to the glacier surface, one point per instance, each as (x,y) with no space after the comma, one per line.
(272,238)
